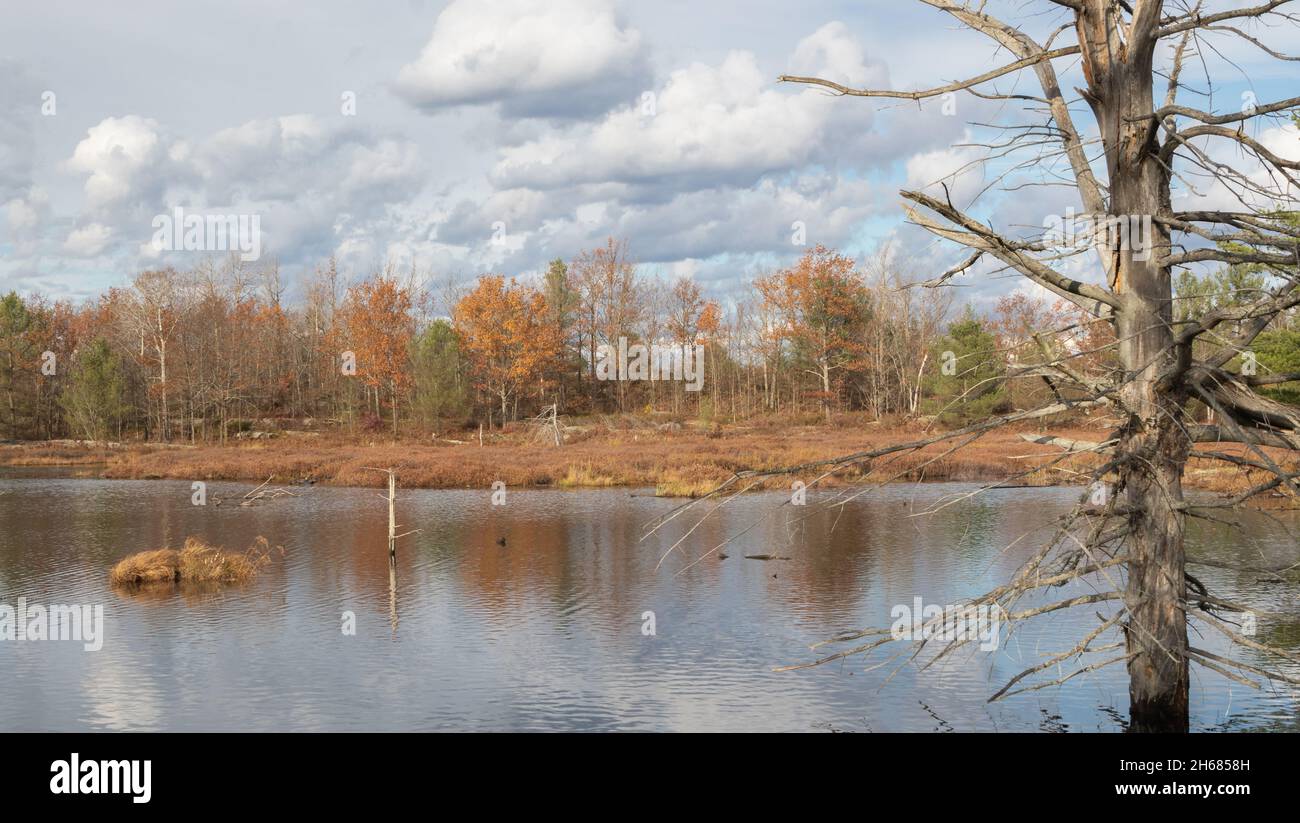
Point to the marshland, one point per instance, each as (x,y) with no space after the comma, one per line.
(589,375)
(244,560)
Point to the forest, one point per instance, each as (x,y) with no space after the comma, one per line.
(208,354)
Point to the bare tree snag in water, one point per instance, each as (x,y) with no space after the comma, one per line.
(1133,542)
(393,536)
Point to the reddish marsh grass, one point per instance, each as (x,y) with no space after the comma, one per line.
(619,451)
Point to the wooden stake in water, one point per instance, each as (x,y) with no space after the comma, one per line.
(392,514)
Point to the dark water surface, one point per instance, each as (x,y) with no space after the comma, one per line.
(545,632)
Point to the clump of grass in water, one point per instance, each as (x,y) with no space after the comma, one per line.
(196,562)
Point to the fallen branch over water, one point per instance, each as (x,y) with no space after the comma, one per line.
(263,493)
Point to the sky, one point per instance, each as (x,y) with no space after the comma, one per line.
(478,136)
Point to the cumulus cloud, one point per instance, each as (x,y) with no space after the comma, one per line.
(536,58)
(710,125)
(718,171)
(25,212)
(471,221)
(758,221)
(87,241)
(287,159)
(767,218)
(1284,141)
(309,180)
(1209,193)
(833,53)
(1194,188)
(117,155)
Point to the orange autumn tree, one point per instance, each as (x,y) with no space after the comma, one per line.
(378,325)
(709,323)
(822,304)
(502,331)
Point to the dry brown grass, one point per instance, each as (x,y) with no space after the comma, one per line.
(196,562)
(675,484)
(617,451)
(585,477)
(145,568)
(681,462)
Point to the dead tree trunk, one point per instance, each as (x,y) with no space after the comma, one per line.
(1153,444)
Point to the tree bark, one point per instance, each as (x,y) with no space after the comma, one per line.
(1156,629)
(1154,444)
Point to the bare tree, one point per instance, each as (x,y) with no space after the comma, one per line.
(608,295)
(153,309)
(1132,543)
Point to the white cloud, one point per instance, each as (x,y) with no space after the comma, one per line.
(961,169)
(833,53)
(699,225)
(1284,141)
(87,241)
(1213,193)
(538,125)
(537,57)
(24,213)
(379,166)
(310,180)
(722,167)
(728,123)
(116,153)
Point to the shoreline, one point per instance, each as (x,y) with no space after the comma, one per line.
(682,463)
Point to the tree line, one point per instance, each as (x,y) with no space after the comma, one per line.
(206,354)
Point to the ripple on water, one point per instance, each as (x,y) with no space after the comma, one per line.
(551,629)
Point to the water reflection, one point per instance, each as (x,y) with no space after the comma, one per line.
(528,616)
(392,594)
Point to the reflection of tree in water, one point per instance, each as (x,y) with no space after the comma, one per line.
(557,557)
(833,552)
(1256,553)
(1283,632)
(392,594)
(969,525)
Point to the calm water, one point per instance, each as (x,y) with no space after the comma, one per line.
(545,632)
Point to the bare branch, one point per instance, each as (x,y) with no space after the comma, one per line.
(938,90)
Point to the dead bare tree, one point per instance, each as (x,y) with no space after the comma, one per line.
(546,424)
(1144,151)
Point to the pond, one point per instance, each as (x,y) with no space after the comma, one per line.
(551,613)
